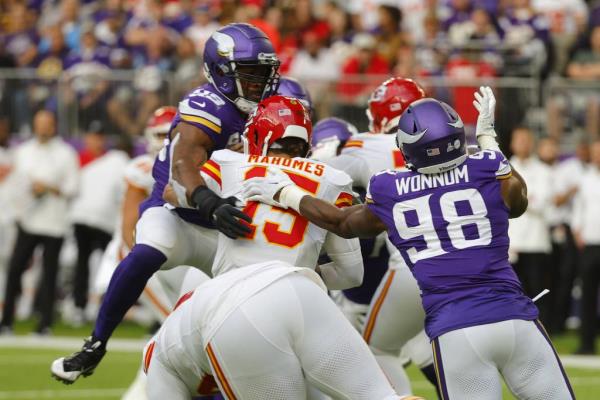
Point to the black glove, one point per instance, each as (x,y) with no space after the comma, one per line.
(221,212)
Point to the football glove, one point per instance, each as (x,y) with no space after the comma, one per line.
(223,213)
(485,103)
(264,189)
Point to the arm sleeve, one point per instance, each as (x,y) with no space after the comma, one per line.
(211,173)
(346,268)
(70,181)
(200,110)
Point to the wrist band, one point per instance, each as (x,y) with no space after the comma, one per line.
(487,142)
(290,197)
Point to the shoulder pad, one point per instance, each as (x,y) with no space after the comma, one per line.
(227,156)
(337,177)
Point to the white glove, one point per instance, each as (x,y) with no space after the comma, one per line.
(264,189)
(485,103)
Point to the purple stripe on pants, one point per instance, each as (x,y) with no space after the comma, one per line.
(562,370)
(440,369)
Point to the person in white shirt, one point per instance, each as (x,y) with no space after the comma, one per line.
(94,212)
(567,176)
(586,220)
(530,234)
(49,168)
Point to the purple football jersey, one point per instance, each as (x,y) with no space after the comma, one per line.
(452,230)
(208,110)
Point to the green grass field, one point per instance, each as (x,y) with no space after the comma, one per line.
(24,372)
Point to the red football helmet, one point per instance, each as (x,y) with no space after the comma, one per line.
(158,127)
(275,118)
(389,101)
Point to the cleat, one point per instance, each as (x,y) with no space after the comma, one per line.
(68,369)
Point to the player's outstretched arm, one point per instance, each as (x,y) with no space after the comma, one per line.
(514,193)
(190,148)
(278,189)
(350,222)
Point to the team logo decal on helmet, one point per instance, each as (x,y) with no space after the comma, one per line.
(389,100)
(240,62)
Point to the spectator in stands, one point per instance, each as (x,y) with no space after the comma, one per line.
(460,11)
(202,27)
(361,70)
(49,168)
(388,34)
(468,64)
(586,220)
(361,73)
(188,67)
(21,39)
(175,17)
(315,65)
(110,30)
(130,107)
(477,33)
(50,64)
(70,22)
(568,19)
(526,39)
(567,178)
(585,66)
(530,233)
(93,211)
(339,23)
(431,51)
(87,72)
(414,13)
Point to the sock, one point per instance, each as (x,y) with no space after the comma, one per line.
(429,372)
(126,286)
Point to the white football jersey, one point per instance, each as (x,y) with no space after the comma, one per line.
(366,154)
(139,172)
(277,234)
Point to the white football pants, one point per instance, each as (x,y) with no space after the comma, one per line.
(288,333)
(470,361)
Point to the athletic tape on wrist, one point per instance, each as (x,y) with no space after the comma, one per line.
(290,197)
(487,142)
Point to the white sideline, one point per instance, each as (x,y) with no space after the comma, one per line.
(135,345)
(68,343)
(52,394)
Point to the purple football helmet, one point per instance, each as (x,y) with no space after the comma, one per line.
(239,60)
(290,87)
(329,136)
(431,136)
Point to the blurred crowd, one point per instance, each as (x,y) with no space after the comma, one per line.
(340,49)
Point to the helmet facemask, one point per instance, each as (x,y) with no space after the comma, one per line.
(253,80)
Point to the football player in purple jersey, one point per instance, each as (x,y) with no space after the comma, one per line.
(448,216)
(242,68)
